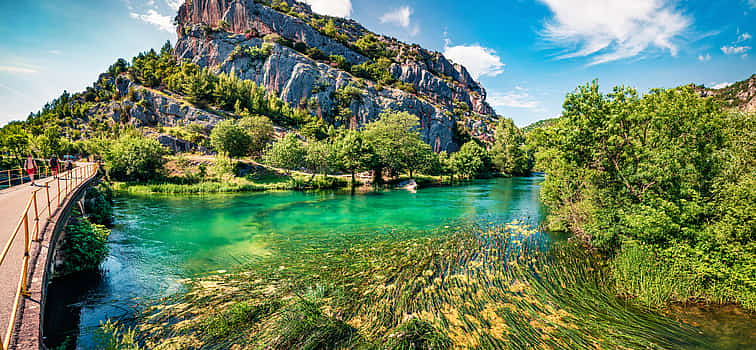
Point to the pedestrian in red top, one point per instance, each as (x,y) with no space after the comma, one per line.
(31,168)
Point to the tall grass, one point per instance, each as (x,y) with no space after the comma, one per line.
(498,287)
(655,281)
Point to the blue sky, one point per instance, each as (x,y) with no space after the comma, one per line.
(527,53)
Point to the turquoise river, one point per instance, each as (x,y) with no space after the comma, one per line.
(160,240)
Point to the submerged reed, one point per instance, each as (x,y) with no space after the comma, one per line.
(496,287)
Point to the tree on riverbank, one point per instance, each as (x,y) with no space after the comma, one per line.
(667,177)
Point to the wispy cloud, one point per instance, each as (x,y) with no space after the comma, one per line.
(15,69)
(174,4)
(54,52)
(610,30)
(743,37)
(480,61)
(401,17)
(735,50)
(336,8)
(704,57)
(163,22)
(721,85)
(513,99)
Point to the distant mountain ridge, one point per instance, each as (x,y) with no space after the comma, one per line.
(310,57)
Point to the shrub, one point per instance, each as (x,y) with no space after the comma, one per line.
(98,205)
(85,245)
(231,139)
(134,158)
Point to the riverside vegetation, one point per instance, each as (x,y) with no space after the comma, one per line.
(657,192)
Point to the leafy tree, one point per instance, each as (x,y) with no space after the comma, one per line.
(353,154)
(392,136)
(508,151)
(288,153)
(231,139)
(134,158)
(470,161)
(120,66)
(15,140)
(260,131)
(668,171)
(320,157)
(50,143)
(198,87)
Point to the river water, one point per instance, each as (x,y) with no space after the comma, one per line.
(160,240)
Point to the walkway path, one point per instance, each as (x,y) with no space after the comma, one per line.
(13,202)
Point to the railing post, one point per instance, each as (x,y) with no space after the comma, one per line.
(9,185)
(21,171)
(25,269)
(58,182)
(49,211)
(36,216)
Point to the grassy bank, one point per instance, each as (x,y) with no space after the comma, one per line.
(462,288)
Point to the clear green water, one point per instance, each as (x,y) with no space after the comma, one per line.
(160,240)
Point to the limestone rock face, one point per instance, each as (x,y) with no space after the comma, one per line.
(432,87)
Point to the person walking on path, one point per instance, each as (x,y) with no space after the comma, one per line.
(31,168)
(54,166)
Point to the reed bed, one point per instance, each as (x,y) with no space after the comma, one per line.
(498,286)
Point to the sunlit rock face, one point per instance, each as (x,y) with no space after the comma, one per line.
(439,92)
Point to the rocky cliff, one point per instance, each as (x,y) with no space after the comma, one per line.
(741,95)
(306,58)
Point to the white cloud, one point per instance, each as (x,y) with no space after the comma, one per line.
(153,17)
(54,52)
(400,16)
(610,30)
(704,58)
(735,50)
(14,69)
(174,4)
(743,37)
(336,8)
(721,85)
(480,61)
(519,99)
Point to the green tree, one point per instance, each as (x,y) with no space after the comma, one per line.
(392,136)
(260,131)
(470,161)
(508,151)
(320,157)
(288,153)
(353,154)
(134,158)
(231,139)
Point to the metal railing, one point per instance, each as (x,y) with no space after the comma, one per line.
(18,176)
(62,185)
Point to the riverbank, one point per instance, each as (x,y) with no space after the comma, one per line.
(196,175)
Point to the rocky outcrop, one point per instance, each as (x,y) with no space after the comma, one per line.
(150,108)
(433,88)
(741,95)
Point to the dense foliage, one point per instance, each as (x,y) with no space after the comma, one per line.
(667,177)
(84,245)
(134,158)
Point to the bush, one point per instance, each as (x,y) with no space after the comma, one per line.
(84,246)
(135,158)
(231,139)
(97,204)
